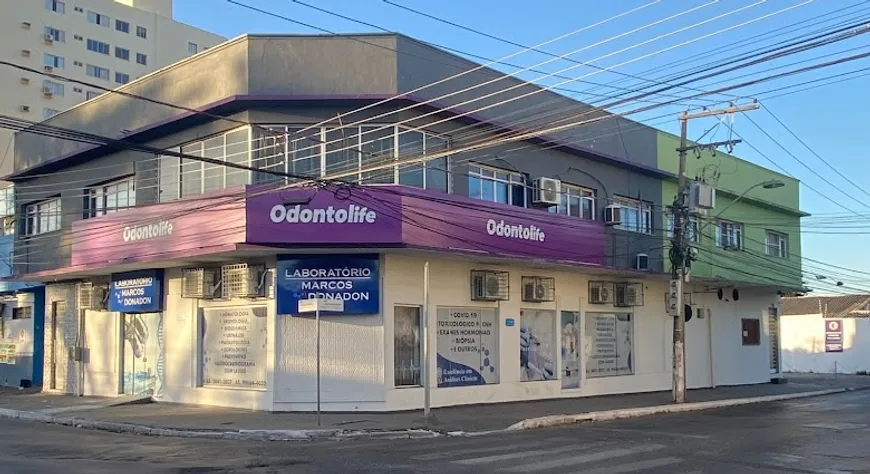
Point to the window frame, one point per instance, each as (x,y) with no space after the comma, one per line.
(781,244)
(56,6)
(105,192)
(644,214)
(142,58)
(483,173)
(750,335)
(125,24)
(98,46)
(736,231)
(48,113)
(56,88)
(141,32)
(57,35)
(27,310)
(693,229)
(192,47)
(33,217)
(97,69)
(99,19)
(58,62)
(122,75)
(565,199)
(416,379)
(126,53)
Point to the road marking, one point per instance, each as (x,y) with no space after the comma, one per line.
(584,458)
(837,426)
(517,455)
(633,467)
(463,452)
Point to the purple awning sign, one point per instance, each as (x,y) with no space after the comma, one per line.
(833,335)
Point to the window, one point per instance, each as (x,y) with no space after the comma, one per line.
(53,61)
(776,244)
(92,94)
(184,178)
(122,26)
(576,201)
(636,215)
(729,235)
(122,53)
(42,217)
(495,185)
(24,312)
(78,38)
(49,113)
(98,19)
(192,48)
(98,72)
(122,78)
(98,46)
(751,331)
(55,6)
(142,59)
(78,89)
(51,87)
(141,32)
(7,209)
(109,198)
(406,346)
(610,341)
(55,34)
(693,229)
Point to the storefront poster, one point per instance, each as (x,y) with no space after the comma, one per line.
(143,354)
(537,345)
(137,292)
(570,330)
(467,347)
(7,353)
(608,344)
(833,335)
(234,347)
(355,279)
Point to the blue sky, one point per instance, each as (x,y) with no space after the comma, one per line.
(825,118)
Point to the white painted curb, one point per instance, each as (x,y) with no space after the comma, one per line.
(560,420)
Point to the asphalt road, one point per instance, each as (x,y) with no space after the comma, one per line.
(825,435)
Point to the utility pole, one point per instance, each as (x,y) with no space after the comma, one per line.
(679,249)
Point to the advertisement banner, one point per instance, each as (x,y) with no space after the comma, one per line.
(608,344)
(137,292)
(7,353)
(143,354)
(537,345)
(833,335)
(570,329)
(354,279)
(234,347)
(467,346)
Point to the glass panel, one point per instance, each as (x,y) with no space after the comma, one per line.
(213,175)
(305,149)
(475,187)
(169,178)
(410,143)
(574,206)
(487,190)
(267,153)
(436,174)
(378,147)
(237,152)
(588,208)
(518,195)
(342,150)
(406,337)
(411,175)
(191,171)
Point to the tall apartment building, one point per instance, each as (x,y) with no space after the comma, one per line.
(104,42)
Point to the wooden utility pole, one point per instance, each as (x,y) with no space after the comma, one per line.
(680,251)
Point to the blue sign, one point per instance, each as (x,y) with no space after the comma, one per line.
(137,292)
(355,279)
(509,322)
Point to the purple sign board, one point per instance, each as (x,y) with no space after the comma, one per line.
(833,335)
(392,216)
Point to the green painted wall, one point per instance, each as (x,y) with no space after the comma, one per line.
(759,211)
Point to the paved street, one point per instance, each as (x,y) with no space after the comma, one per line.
(824,435)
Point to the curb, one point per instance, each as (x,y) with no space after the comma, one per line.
(561,420)
(347,435)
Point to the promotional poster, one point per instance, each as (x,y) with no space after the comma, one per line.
(609,340)
(467,346)
(570,325)
(537,345)
(143,354)
(234,347)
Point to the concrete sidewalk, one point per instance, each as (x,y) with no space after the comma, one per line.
(164,419)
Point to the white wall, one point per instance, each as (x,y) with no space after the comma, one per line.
(803,345)
(102,360)
(450,283)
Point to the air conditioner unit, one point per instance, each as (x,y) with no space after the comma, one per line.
(25,53)
(49,39)
(24,108)
(600,292)
(26,25)
(243,281)
(628,295)
(25,81)
(612,215)
(489,285)
(202,283)
(538,289)
(47,92)
(641,262)
(548,191)
(91,296)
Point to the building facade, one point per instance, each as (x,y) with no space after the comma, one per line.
(181,279)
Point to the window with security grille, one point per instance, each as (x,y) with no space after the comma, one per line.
(109,198)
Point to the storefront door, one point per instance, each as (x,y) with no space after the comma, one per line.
(142,354)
